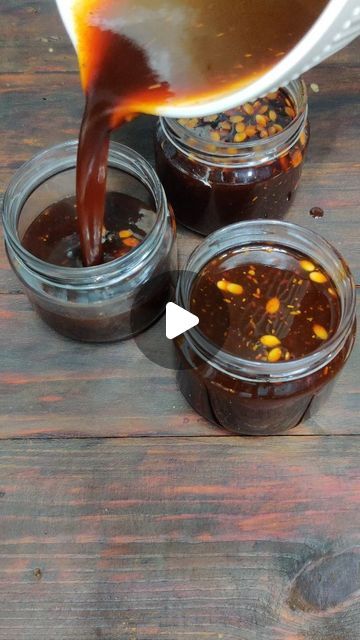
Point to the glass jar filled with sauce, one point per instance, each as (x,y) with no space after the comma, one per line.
(129,290)
(239,165)
(276,305)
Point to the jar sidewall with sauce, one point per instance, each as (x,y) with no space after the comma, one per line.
(86,303)
(262,175)
(254,397)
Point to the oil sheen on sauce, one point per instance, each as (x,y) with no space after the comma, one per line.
(139,56)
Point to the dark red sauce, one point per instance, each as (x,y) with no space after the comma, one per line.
(53,236)
(277,304)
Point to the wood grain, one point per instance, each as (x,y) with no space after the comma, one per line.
(33,39)
(52,386)
(180,538)
(110,532)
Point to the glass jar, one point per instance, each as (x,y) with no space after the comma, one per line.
(256,397)
(211,186)
(108,302)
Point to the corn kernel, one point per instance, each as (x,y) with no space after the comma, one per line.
(236,289)
(273,305)
(303,138)
(307,265)
(320,332)
(250,131)
(212,118)
(249,109)
(261,120)
(240,137)
(222,285)
(274,355)
(126,233)
(270,341)
(236,119)
(297,158)
(131,242)
(317,276)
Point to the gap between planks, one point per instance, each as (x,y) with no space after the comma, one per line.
(208,436)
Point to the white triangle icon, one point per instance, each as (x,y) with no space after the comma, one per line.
(178,320)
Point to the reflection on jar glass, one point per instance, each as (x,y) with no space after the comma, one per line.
(111,301)
(241,165)
(264,357)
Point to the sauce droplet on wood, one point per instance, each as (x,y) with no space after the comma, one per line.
(317,212)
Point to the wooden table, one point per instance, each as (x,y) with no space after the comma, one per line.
(123,515)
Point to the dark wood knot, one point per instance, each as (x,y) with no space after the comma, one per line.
(327,583)
(38,573)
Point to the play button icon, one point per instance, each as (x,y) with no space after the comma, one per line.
(157,343)
(178,320)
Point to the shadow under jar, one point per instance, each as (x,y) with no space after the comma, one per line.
(211,183)
(275,362)
(111,301)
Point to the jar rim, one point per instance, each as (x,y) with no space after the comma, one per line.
(38,169)
(186,141)
(243,234)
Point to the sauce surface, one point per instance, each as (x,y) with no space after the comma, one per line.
(278,305)
(261,119)
(53,235)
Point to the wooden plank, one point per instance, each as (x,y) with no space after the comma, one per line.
(52,386)
(180,538)
(331,173)
(30,105)
(33,39)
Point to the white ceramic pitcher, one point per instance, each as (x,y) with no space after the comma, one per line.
(336,27)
